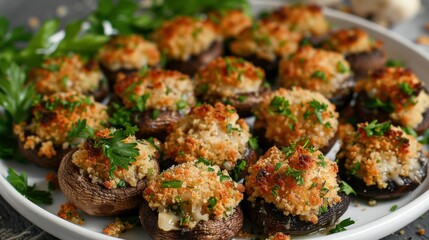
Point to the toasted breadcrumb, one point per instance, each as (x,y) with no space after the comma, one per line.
(423,40)
(69,212)
(352,40)
(243,234)
(372,202)
(421,231)
(230,22)
(279,236)
(117,227)
(298,181)
(427,26)
(305,19)
(266,40)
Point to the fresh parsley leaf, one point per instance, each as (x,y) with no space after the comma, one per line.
(19,182)
(274,190)
(394,63)
(346,188)
(253,143)
(172,184)
(239,167)
(410,131)
(281,106)
(393,208)
(204,161)
(155,114)
(376,129)
(318,109)
(342,226)
(386,106)
(9,38)
(354,169)
(181,104)
(341,68)
(212,201)
(424,139)
(295,174)
(319,74)
(118,115)
(406,88)
(79,130)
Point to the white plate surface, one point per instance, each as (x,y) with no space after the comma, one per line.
(371,222)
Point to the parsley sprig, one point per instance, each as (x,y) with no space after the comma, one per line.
(20,183)
(376,129)
(342,225)
(281,106)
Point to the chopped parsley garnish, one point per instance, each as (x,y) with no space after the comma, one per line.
(289,151)
(155,114)
(377,129)
(342,226)
(393,208)
(172,184)
(319,74)
(139,101)
(212,201)
(181,104)
(281,106)
(204,161)
(318,109)
(229,67)
(239,167)
(184,221)
(51,67)
(394,63)
(386,106)
(71,105)
(118,116)
(253,143)
(406,89)
(121,184)
(241,98)
(79,130)
(410,131)
(346,188)
(295,174)
(321,161)
(229,128)
(223,178)
(341,68)
(278,166)
(354,169)
(20,183)
(274,190)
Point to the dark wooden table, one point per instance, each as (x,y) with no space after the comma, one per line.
(32,12)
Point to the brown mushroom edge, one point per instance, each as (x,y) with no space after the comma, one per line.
(250,157)
(191,66)
(44,162)
(392,191)
(92,198)
(101,92)
(111,75)
(271,68)
(155,127)
(272,220)
(266,144)
(243,103)
(365,62)
(222,229)
(364,114)
(344,95)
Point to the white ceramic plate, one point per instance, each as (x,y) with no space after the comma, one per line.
(371,222)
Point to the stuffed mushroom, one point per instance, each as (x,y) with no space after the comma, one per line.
(44,139)
(214,133)
(285,117)
(127,54)
(381,161)
(69,73)
(362,52)
(233,81)
(107,174)
(188,43)
(192,201)
(294,191)
(264,44)
(318,70)
(394,94)
(156,99)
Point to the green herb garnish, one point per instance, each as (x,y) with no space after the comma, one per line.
(295,174)
(346,188)
(172,184)
(342,226)
(19,182)
(319,74)
(253,143)
(281,106)
(386,106)
(212,201)
(394,63)
(204,161)
(377,129)
(393,208)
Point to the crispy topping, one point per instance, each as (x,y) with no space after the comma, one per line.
(68,211)
(297,115)
(213,133)
(279,236)
(117,227)
(156,89)
(353,40)
(91,161)
(398,92)
(305,19)
(184,37)
(230,22)
(205,192)
(65,74)
(266,40)
(378,152)
(128,52)
(314,69)
(298,180)
(229,76)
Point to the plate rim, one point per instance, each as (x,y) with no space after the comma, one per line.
(372,230)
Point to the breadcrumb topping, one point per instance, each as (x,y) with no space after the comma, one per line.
(230,22)
(400,91)
(96,165)
(65,74)
(315,69)
(279,236)
(299,181)
(117,227)
(229,76)
(68,211)
(377,159)
(305,19)
(128,52)
(162,89)
(352,40)
(214,133)
(190,192)
(184,37)
(52,120)
(267,40)
(297,115)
